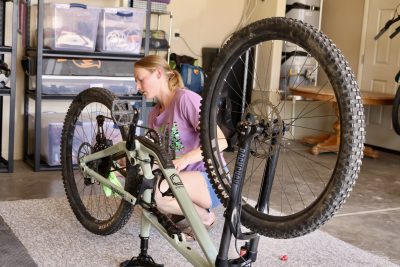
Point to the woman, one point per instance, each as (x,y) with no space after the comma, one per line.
(176,118)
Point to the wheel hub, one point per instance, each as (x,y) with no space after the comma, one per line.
(264,113)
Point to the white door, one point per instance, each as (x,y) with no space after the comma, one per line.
(381,63)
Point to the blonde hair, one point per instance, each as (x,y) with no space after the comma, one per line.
(152,62)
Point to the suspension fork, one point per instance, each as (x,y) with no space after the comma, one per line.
(268,177)
(233,210)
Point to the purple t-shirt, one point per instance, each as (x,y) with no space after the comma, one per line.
(178,125)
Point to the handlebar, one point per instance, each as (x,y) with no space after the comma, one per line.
(387,26)
(389,23)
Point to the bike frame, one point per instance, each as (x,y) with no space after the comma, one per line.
(143,149)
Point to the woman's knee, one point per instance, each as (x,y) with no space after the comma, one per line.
(197,188)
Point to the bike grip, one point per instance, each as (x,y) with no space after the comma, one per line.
(382,31)
(386,27)
(395,32)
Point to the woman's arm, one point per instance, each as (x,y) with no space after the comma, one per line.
(188,158)
(195,155)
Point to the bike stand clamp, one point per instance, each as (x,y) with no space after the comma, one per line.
(143,260)
(140,261)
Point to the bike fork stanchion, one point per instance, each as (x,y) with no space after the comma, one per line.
(233,210)
(268,177)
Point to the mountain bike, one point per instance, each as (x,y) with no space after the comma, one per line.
(266,179)
(396,100)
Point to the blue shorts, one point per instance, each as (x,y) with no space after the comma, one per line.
(214,198)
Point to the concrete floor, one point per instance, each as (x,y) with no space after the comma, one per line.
(369,220)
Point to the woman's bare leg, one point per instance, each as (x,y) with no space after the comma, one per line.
(197,190)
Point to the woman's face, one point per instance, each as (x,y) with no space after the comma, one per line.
(147,82)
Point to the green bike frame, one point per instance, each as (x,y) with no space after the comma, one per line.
(144,148)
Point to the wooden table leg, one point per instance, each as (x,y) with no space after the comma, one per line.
(370,152)
(330,142)
(324,143)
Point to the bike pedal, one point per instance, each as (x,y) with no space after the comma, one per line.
(123,112)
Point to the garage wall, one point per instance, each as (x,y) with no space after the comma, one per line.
(342,22)
(203,23)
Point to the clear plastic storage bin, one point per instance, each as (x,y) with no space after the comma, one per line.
(73,85)
(50,138)
(70,26)
(52,124)
(120,30)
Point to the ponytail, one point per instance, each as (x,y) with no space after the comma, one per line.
(175,81)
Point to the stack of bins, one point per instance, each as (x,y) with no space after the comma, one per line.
(78,27)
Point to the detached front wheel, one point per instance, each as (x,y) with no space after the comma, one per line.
(288,192)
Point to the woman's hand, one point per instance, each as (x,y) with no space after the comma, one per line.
(181,163)
(189,158)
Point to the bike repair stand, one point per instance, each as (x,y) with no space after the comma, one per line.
(232,225)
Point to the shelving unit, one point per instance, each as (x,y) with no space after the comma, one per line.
(40,53)
(7,165)
(159,15)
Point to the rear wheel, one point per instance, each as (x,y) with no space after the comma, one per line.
(287,191)
(88,128)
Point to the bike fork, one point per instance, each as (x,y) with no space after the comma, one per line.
(232,213)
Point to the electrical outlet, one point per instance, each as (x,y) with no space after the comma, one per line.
(176,33)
